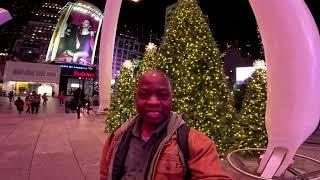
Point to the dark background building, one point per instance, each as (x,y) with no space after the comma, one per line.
(33,44)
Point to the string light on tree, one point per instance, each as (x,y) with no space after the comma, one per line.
(260,64)
(149,59)
(252,116)
(127,64)
(151,47)
(191,58)
(122,99)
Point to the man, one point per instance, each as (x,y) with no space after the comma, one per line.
(34,102)
(146,147)
(10,95)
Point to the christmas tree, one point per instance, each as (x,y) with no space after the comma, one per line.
(122,105)
(190,57)
(261,50)
(148,61)
(252,115)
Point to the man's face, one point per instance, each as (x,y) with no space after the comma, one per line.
(154,98)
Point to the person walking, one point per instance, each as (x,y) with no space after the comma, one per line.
(33,100)
(44,98)
(38,101)
(28,104)
(79,98)
(10,95)
(157,143)
(19,103)
(61,97)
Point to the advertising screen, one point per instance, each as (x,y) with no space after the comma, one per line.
(75,37)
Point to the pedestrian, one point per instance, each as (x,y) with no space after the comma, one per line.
(38,101)
(79,98)
(33,100)
(19,103)
(61,97)
(10,95)
(44,98)
(87,104)
(28,104)
(53,93)
(157,144)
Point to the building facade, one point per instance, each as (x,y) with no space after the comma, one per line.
(23,77)
(33,45)
(125,48)
(169,11)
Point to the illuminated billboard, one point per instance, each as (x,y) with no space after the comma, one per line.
(75,37)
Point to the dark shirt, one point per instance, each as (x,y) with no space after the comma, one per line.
(85,43)
(139,152)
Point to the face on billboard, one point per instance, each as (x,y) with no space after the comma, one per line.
(76,36)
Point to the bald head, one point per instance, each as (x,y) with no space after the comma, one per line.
(154,97)
(153,74)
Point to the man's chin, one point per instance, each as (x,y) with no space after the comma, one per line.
(153,121)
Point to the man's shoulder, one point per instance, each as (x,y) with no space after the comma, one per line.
(195,135)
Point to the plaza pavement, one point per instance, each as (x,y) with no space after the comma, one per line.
(53,145)
(50,145)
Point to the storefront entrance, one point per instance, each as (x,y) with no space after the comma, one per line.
(73,77)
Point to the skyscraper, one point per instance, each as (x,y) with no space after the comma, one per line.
(33,44)
(169,11)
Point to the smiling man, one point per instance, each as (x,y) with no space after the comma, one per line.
(157,144)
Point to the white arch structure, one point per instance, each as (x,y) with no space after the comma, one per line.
(4,16)
(292,44)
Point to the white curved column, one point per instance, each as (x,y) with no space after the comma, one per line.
(108,34)
(291,42)
(4,16)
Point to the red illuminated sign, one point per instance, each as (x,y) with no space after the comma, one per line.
(84,74)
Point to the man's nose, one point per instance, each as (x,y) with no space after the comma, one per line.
(154,100)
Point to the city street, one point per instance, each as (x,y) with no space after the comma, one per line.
(50,145)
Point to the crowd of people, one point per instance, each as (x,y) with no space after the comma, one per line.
(32,102)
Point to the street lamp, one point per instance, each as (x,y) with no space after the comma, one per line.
(136,1)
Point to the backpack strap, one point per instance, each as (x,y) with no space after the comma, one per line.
(182,137)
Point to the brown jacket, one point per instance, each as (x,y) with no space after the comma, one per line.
(168,161)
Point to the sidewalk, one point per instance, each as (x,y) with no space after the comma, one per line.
(50,145)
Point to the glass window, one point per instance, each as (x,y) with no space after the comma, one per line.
(131,45)
(119,53)
(121,44)
(88,87)
(126,45)
(136,47)
(142,46)
(125,54)
(130,55)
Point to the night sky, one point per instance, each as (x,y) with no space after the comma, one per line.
(229,19)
